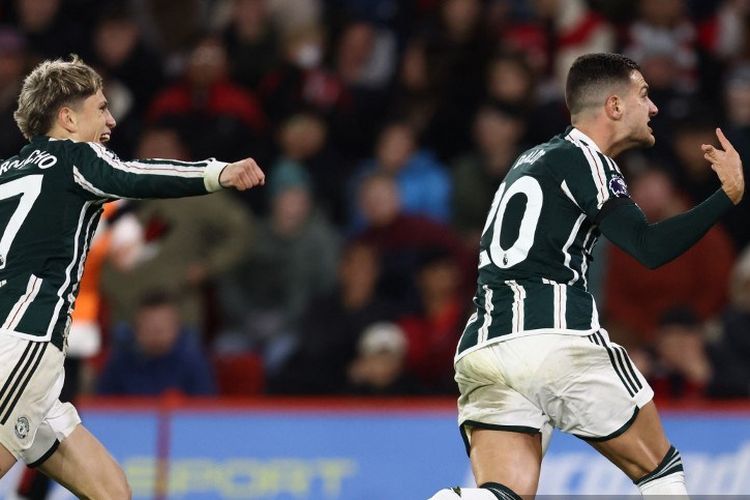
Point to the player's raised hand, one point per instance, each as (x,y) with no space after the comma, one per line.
(727,165)
(242,175)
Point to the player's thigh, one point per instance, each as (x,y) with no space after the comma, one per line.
(641,448)
(512,459)
(7,460)
(85,467)
(500,426)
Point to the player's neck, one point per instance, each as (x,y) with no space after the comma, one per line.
(604,136)
(59,133)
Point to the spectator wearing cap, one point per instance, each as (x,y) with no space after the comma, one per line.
(292,260)
(380,365)
(12,66)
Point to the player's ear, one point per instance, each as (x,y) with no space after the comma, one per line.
(613,107)
(67,119)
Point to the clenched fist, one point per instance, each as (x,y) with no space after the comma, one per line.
(242,175)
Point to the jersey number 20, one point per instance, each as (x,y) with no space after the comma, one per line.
(519,250)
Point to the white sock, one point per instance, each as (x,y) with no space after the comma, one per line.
(667,479)
(466,494)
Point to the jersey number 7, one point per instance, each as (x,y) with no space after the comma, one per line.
(28,188)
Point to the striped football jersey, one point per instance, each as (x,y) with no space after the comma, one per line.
(51,197)
(537,242)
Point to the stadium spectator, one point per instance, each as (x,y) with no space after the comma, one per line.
(511,82)
(569,28)
(380,367)
(303,139)
(737,126)
(209,109)
(712,358)
(664,26)
(432,331)
(170,26)
(12,65)
(51,30)
(365,61)
(252,41)
(302,80)
(189,243)
(457,48)
(121,53)
(637,298)
(401,238)
(293,259)
(156,354)
(498,129)
(332,324)
(424,184)
(414,92)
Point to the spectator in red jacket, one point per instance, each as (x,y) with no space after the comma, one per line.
(212,112)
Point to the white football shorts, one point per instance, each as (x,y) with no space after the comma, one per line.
(583,385)
(33,421)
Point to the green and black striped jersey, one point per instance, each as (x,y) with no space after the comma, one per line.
(536,244)
(51,197)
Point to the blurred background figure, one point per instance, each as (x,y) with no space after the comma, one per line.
(12,70)
(304,140)
(498,129)
(711,358)
(211,111)
(156,354)
(433,329)
(189,243)
(331,326)
(252,41)
(401,238)
(379,367)
(292,260)
(423,183)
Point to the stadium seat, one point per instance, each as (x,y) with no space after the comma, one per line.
(239,374)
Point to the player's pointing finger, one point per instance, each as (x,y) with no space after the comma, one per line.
(724,141)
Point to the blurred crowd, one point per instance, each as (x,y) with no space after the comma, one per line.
(384,127)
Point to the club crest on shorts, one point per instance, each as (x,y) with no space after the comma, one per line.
(617,186)
(22,427)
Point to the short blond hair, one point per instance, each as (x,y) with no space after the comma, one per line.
(51,85)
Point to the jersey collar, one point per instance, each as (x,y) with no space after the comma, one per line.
(580,136)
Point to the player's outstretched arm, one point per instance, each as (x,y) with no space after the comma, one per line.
(727,165)
(242,175)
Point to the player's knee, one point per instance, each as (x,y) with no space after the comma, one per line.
(667,479)
(113,487)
